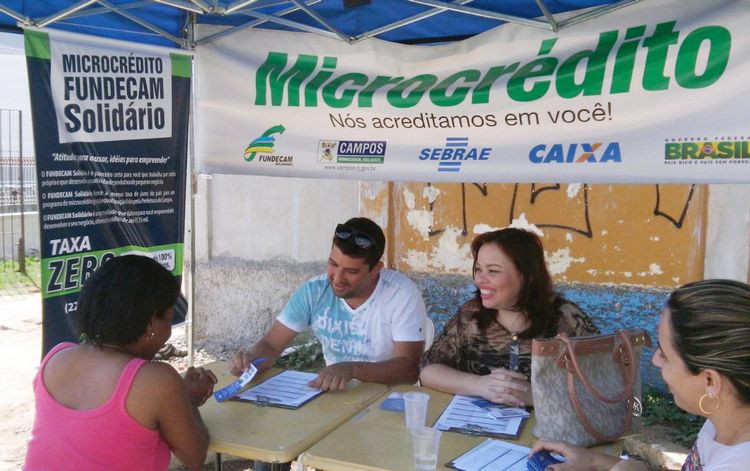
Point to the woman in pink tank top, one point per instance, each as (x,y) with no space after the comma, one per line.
(103,405)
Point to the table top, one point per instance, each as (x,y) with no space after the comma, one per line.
(273,434)
(377,440)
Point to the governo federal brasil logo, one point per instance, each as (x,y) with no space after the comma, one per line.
(707,150)
(264,143)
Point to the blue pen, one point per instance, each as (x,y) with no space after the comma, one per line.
(236,386)
(515,352)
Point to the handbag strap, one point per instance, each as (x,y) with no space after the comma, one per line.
(585,421)
(628,372)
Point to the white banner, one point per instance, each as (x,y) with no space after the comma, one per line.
(654,92)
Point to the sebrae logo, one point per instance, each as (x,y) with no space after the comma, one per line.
(264,145)
(454,153)
(596,152)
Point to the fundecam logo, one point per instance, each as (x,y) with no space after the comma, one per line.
(264,143)
(454,153)
(352,152)
(576,153)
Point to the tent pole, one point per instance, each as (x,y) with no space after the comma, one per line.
(193,189)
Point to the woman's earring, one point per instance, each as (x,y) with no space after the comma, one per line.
(151,336)
(710,396)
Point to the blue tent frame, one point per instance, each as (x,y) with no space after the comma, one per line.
(169,22)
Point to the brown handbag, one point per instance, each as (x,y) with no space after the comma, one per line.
(587,390)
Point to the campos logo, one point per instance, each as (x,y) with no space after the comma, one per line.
(454,153)
(576,153)
(351,152)
(264,145)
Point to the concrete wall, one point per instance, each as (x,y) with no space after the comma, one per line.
(262,218)
(237,300)
(257,240)
(728,234)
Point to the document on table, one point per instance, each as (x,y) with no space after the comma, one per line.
(492,455)
(463,416)
(287,389)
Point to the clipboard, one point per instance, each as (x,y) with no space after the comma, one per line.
(492,454)
(463,416)
(287,390)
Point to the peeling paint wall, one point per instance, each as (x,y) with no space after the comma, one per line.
(644,235)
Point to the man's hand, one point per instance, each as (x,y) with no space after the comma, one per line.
(241,361)
(334,377)
(269,347)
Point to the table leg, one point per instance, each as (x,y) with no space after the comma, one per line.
(267,466)
(217,463)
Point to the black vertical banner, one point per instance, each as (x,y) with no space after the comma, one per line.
(111,130)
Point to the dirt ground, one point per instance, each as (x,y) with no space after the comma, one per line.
(20,344)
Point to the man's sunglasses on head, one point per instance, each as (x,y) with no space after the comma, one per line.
(361,240)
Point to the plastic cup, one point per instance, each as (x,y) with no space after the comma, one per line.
(425,444)
(415,409)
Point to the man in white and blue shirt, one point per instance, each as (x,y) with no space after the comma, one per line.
(369,319)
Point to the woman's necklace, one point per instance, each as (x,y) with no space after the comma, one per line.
(515,325)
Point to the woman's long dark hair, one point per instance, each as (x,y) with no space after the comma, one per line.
(535,300)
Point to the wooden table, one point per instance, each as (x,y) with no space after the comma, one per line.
(273,434)
(377,440)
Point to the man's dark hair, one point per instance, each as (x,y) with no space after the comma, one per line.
(369,228)
(536,298)
(120,298)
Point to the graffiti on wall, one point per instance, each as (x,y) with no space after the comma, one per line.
(637,234)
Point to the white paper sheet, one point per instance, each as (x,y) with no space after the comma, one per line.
(493,455)
(286,389)
(462,415)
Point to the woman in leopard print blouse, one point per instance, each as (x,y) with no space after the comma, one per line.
(514,299)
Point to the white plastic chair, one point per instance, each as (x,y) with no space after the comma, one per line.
(429,336)
(429,333)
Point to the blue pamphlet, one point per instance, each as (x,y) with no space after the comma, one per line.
(236,386)
(541,459)
(394,401)
(501,411)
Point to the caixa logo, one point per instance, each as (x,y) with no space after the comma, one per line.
(454,153)
(596,152)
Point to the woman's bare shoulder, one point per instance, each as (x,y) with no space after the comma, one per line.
(159,375)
